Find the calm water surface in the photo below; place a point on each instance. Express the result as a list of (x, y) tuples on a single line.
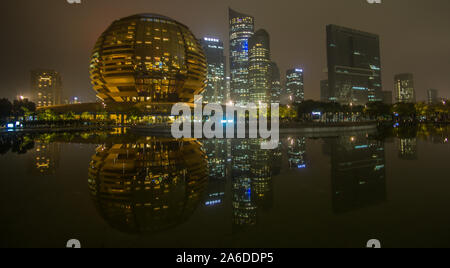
[(137, 191)]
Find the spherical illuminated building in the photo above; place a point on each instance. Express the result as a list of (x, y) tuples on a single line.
[(148, 58), (148, 186)]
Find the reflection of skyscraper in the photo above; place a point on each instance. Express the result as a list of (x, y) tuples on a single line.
[(148, 186), (387, 97), (259, 74), (354, 65), (295, 85), (47, 87), (297, 152), (358, 172), (261, 171), (241, 29), (216, 151), (45, 158), (404, 88), (215, 87), (408, 149), (252, 170)]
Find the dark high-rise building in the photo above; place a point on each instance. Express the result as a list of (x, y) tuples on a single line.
[(47, 87), (215, 58), (433, 96), (404, 88), (354, 66), (276, 88), (295, 85), (241, 29), (387, 97), (259, 74), (324, 91)]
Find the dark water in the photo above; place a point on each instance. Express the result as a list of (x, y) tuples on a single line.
[(135, 191)]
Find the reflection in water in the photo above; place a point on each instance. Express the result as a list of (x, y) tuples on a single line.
[(408, 149), (297, 152), (19, 144), (217, 152), (150, 185), (358, 172), (252, 171), (45, 158)]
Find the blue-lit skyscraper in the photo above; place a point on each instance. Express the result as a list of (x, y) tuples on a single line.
[(215, 87), (295, 85), (241, 29)]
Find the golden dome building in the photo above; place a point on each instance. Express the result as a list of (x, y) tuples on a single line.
[(148, 58), (149, 186)]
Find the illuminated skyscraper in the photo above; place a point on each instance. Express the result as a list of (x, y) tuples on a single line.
[(259, 73), (47, 87), (215, 58), (354, 66), (433, 96), (404, 88), (295, 85), (241, 29), (276, 88)]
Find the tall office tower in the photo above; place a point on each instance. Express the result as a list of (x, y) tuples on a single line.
[(404, 88), (241, 29), (354, 66), (215, 58), (433, 96), (295, 85), (47, 87), (259, 74), (387, 97), (324, 91), (276, 88)]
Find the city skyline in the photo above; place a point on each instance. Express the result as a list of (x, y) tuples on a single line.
[(403, 46)]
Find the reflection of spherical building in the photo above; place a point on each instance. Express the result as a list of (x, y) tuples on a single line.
[(150, 58), (150, 186)]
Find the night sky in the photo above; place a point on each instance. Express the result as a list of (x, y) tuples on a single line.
[(415, 36)]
